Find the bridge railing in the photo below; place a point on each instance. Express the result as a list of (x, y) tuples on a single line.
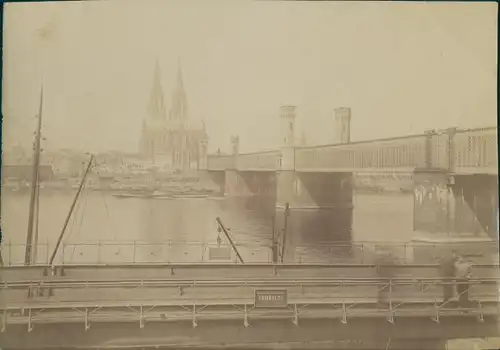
[(476, 150), (217, 162), (267, 160), (461, 151), (438, 149), (337, 298), (137, 252), (394, 153)]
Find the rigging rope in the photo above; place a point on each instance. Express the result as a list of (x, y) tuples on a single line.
[(73, 219), (118, 251)]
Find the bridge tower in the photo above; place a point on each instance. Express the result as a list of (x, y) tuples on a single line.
[(203, 154), (310, 206), (342, 125), (235, 185)]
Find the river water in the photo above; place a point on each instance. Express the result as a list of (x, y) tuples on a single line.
[(102, 217), (116, 223)]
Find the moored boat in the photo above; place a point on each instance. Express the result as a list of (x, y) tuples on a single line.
[(189, 196)]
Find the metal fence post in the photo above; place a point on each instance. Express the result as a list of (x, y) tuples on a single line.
[(133, 252), (10, 253), (47, 253), (63, 253), (98, 252), (406, 253)]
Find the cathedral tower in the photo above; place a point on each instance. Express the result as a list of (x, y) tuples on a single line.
[(172, 142)]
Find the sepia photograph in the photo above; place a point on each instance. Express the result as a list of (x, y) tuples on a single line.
[(272, 175)]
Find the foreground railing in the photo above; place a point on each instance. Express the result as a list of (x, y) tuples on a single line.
[(242, 299), (138, 252), (293, 284)]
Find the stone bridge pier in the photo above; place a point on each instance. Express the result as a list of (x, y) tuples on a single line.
[(319, 209), (250, 189), (249, 184), (311, 207), (455, 205), (213, 179), (475, 204)]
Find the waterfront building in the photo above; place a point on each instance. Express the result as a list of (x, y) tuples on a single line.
[(66, 163), (16, 155), (24, 172), (172, 139)]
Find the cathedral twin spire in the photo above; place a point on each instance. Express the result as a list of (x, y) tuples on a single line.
[(156, 102), (179, 110)]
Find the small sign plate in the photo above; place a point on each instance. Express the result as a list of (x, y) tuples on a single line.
[(219, 253), (271, 298)]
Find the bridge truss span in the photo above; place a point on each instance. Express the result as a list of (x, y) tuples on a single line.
[(216, 162), (259, 161), (400, 154), (461, 151), (476, 151)]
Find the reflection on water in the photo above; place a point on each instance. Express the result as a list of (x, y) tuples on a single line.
[(151, 222)]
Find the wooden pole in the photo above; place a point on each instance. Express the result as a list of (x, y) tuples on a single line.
[(274, 248), (221, 225), (37, 216), (28, 258), (71, 211), (285, 229)]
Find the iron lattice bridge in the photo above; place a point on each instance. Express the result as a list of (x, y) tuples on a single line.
[(250, 300)]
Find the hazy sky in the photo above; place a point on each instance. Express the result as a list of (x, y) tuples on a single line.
[(402, 68)]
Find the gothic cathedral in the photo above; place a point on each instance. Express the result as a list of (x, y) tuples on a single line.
[(172, 141)]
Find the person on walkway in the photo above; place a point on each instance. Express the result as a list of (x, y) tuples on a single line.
[(448, 273), (274, 251), (385, 272), (463, 270)]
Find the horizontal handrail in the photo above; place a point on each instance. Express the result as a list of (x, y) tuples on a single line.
[(263, 265), (140, 251), (141, 308), (271, 282), (250, 244), (421, 137), (394, 138), (240, 301), (322, 245)]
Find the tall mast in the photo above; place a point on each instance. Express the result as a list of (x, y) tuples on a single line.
[(28, 258), (36, 220)]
